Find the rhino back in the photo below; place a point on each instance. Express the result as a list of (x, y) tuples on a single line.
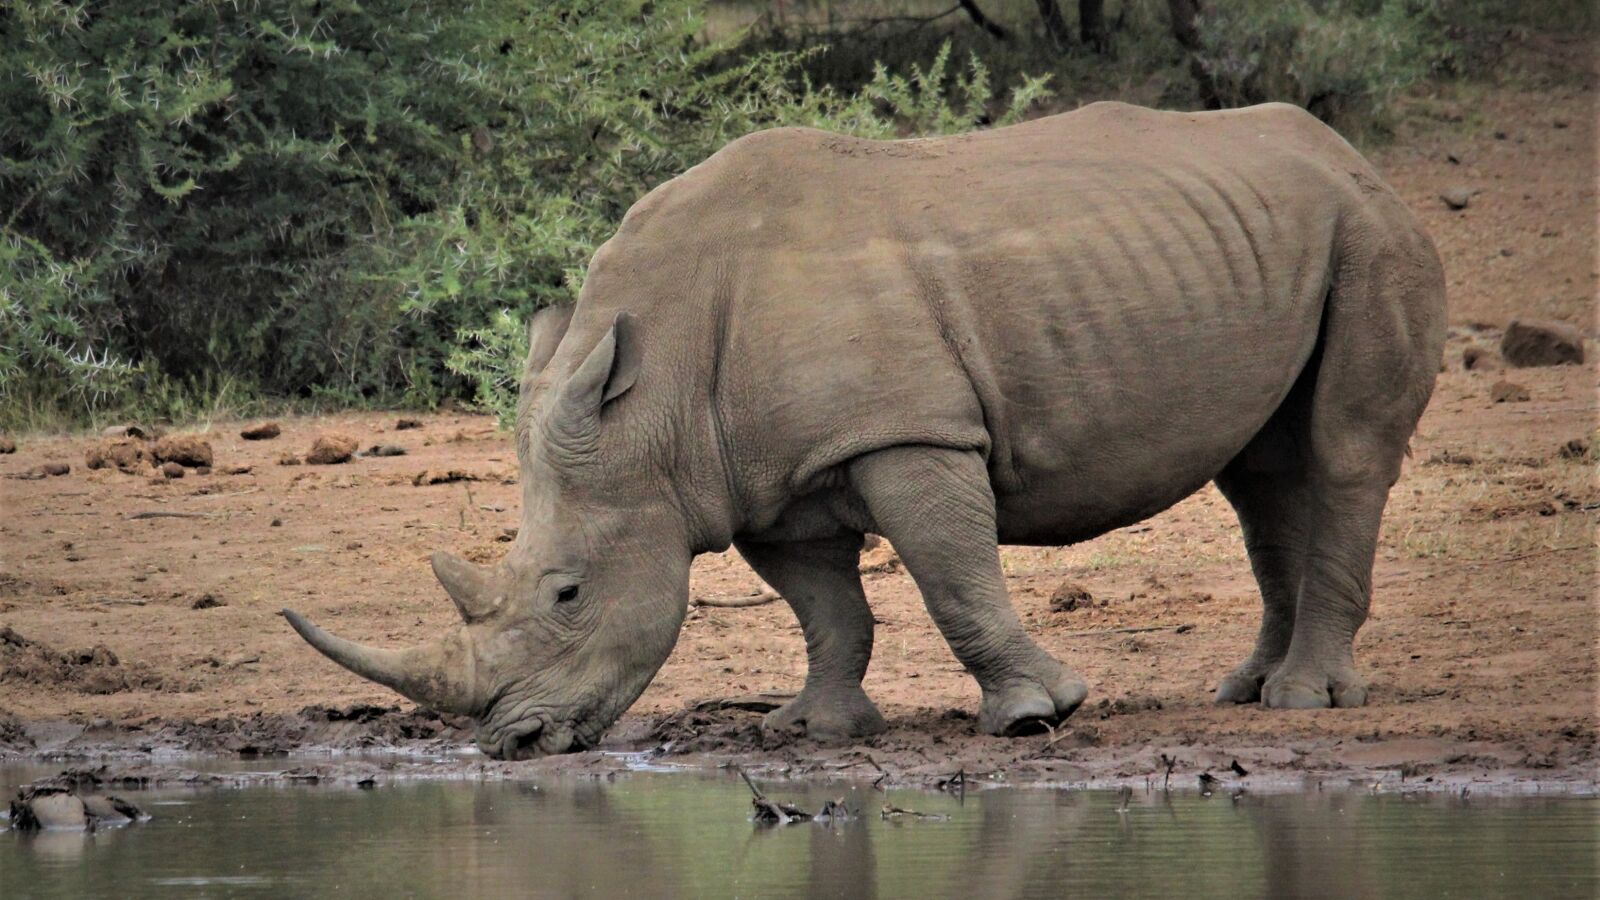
[(1109, 303)]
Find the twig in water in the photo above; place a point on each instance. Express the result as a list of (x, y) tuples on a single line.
[(890, 811), (1171, 763)]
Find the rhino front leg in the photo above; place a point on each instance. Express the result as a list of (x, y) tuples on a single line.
[(820, 581), (936, 506)]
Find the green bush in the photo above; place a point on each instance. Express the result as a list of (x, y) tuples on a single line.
[(1343, 60), (333, 198)]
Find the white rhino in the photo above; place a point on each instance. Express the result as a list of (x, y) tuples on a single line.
[(1030, 335)]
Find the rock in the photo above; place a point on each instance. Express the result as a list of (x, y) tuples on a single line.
[(184, 449), (172, 470), (331, 449), (386, 450), (442, 476), (7, 445), (264, 431), (1509, 392), (1479, 359), (109, 810), (288, 459), (1457, 197), (407, 424), (125, 454), (206, 601), (202, 470), (1530, 342), (51, 469), (137, 432), (1070, 596), (48, 809), (235, 470), (51, 806)]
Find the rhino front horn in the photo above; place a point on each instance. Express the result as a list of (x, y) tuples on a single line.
[(474, 589), (438, 675)]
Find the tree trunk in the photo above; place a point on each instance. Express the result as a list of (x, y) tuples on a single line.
[(1092, 25), (1187, 32), (1054, 24), (995, 29)]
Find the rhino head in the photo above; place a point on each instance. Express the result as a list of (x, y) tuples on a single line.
[(562, 636)]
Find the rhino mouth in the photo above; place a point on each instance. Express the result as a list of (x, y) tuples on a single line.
[(532, 739)]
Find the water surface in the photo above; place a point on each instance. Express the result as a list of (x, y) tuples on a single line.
[(677, 835)]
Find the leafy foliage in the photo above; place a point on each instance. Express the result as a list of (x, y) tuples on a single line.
[(1344, 60), (336, 197)]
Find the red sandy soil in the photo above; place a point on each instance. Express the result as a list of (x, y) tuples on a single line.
[(1480, 651)]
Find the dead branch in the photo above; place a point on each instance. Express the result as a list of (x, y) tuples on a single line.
[(1180, 629), (760, 599), (164, 514)]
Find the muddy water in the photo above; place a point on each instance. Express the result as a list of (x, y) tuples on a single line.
[(674, 835)]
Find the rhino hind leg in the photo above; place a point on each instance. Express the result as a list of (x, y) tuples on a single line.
[(937, 508), (1272, 515), (820, 581), (1378, 357)]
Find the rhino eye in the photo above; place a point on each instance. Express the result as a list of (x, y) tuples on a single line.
[(567, 594)]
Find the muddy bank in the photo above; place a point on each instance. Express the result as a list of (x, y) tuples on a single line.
[(935, 749)]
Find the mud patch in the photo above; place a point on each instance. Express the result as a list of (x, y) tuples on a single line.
[(95, 670)]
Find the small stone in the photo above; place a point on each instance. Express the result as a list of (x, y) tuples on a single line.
[(1500, 135), (264, 431), (53, 469), (288, 459), (1479, 359), (1457, 197), (1070, 595), (130, 430), (1529, 342), (386, 450), (407, 424), (235, 470), (206, 601), (277, 523), (1577, 448), (331, 449), (1509, 392), (202, 470), (1558, 123), (172, 470)]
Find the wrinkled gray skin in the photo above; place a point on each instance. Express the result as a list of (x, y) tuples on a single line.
[(1030, 335)]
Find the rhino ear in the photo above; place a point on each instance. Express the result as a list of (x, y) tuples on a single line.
[(472, 588), (545, 331), (605, 374)]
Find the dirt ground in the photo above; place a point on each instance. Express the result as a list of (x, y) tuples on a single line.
[(124, 630)]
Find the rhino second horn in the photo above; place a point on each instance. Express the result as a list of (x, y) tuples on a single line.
[(438, 675), (473, 589)]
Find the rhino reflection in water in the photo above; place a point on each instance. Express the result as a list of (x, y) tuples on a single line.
[(1030, 335)]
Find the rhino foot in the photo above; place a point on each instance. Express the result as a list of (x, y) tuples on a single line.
[(1243, 684), (836, 713), (1031, 705), (1311, 689)]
